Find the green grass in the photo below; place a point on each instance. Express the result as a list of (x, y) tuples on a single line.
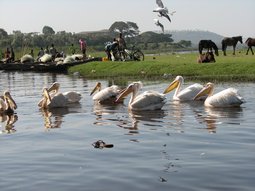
[(235, 68)]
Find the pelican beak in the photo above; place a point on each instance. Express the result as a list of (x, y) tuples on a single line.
[(97, 87), (54, 87), (123, 94), (46, 94), (10, 100), (204, 92), (172, 86)]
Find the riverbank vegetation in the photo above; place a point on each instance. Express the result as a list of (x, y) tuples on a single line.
[(235, 68)]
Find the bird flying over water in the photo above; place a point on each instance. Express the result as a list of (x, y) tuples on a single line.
[(159, 24), (162, 10)]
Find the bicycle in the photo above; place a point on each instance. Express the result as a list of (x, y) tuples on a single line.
[(131, 54)]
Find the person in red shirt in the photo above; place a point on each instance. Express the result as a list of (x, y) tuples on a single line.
[(83, 46)]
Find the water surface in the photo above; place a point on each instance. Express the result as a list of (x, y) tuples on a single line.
[(182, 147)]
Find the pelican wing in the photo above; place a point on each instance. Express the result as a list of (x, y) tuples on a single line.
[(160, 3), (72, 96), (226, 98), (190, 92), (59, 100), (149, 100)]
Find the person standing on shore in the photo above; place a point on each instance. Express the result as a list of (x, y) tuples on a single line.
[(83, 46)]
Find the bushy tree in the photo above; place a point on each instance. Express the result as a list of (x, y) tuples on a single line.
[(48, 30), (128, 29)]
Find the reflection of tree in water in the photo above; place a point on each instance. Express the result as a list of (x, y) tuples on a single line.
[(9, 123)]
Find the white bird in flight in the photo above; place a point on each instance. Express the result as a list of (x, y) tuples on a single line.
[(162, 10), (159, 24)]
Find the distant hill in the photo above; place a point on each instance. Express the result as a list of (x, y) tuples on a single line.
[(195, 36)]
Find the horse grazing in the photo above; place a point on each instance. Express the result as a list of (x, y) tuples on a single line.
[(231, 41), (250, 42), (206, 58), (209, 44)]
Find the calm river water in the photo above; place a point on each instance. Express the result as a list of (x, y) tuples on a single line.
[(183, 147)]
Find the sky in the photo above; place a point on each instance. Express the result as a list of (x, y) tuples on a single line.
[(224, 17)]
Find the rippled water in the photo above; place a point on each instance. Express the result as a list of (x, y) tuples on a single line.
[(182, 147)]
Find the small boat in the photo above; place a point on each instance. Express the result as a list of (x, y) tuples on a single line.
[(43, 67)]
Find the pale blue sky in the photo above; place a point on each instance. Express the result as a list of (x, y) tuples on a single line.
[(225, 17)]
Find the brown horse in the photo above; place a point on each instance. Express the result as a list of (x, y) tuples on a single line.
[(250, 42), (206, 58), (209, 44), (231, 41)]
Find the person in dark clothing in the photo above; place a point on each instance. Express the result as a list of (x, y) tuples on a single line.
[(7, 55), (12, 55), (111, 49)]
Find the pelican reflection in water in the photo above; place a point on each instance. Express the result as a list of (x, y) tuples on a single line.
[(9, 120), (53, 118)]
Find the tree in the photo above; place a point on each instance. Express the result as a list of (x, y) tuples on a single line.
[(185, 43), (3, 33), (128, 29), (48, 30)]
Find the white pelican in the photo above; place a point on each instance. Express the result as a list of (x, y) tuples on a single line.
[(107, 95), (162, 10), (7, 104), (226, 98), (186, 94), (71, 96), (159, 24), (149, 100), (54, 100)]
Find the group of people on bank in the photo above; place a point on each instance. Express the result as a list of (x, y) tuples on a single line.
[(118, 45), (9, 56)]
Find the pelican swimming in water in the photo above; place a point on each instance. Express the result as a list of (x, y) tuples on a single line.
[(71, 96), (186, 94), (148, 100), (162, 10), (107, 95), (7, 104), (226, 98), (55, 100)]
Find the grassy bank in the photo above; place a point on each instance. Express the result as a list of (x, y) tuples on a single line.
[(236, 68)]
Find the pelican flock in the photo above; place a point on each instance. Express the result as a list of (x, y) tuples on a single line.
[(226, 98), (106, 95), (148, 100), (186, 94)]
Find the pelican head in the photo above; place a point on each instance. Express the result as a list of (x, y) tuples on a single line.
[(132, 88), (54, 87), (177, 82), (97, 87), (207, 90)]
